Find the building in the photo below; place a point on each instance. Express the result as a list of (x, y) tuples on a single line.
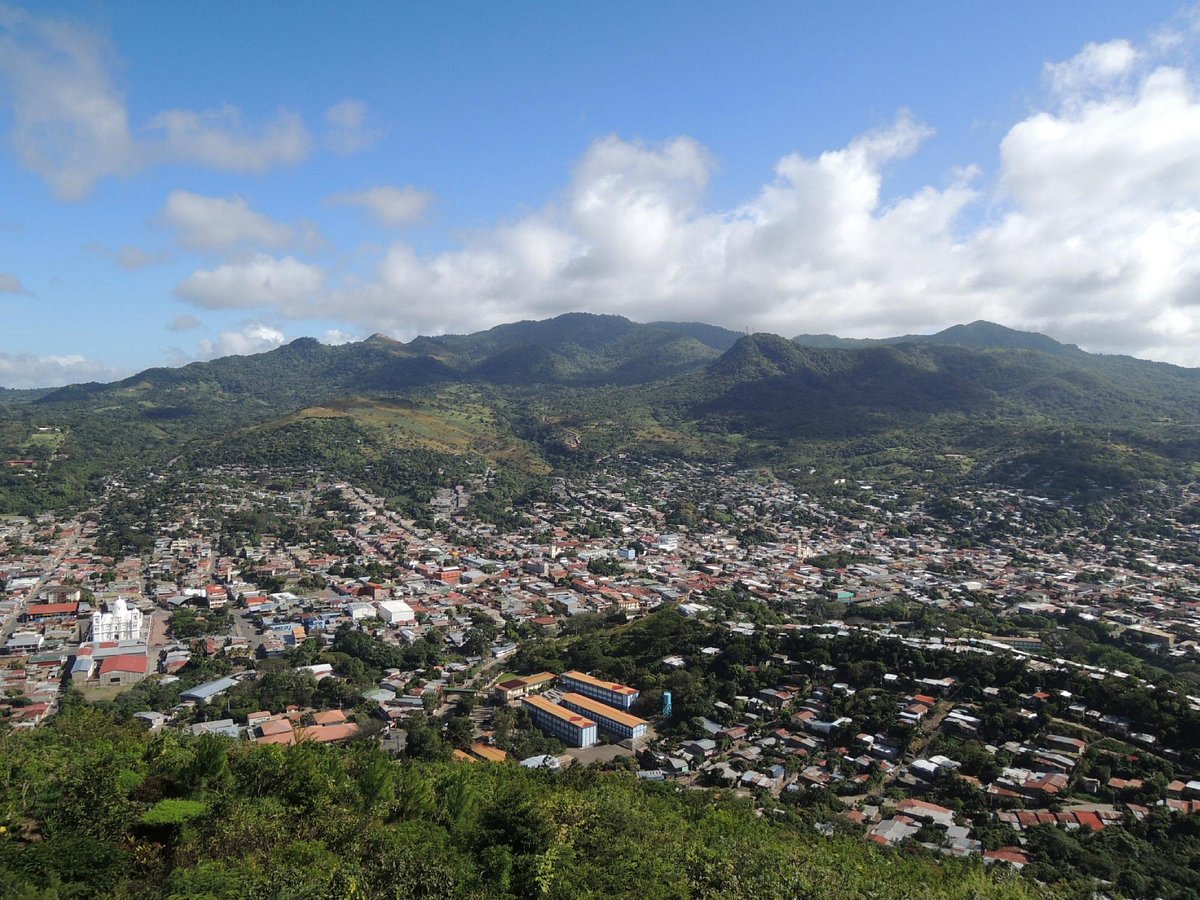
[(51, 610), (24, 642), (359, 611), (488, 753), (202, 693), (610, 720), (396, 612), (216, 596), (1025, 643), (62, 593), (516, 688), (609, 692), (569, 727), (124, 669), (121, 622)]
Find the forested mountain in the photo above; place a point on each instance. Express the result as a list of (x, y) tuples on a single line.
[(766, 382), (979, 335), (1019, 406)]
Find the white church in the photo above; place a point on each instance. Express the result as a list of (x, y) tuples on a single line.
[(121, 622)]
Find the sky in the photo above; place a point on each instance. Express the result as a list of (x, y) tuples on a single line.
[(188, 181)]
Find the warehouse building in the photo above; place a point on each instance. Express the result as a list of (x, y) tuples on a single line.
[(611, 721), (617, 695), (569, 727)]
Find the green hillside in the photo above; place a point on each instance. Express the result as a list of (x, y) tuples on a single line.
[(1017, 407), (95, 808)]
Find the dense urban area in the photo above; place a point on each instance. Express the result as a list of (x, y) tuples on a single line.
[(984, 674)]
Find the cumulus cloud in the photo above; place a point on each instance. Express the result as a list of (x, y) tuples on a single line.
[(71, 123), (1095, 66), (389, 206), (26, 370), (221, 223), (632, 236), (348, 128), (11, 284), (183, 322), (1088, 230), (251, 337), (263, 281), (131, 258)]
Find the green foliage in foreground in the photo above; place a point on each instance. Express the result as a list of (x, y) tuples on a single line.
[(96, 808)]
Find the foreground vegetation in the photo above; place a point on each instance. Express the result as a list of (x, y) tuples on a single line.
[(95, 807)]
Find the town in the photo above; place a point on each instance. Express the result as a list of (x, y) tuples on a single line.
[(955, 671)]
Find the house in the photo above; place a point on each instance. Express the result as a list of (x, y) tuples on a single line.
[(217, 726), (930, 812), (701, 749), (154, 721), (254, 719)]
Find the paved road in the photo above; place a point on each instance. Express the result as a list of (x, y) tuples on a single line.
[(244, 628)]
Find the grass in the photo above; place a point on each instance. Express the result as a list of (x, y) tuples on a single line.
[(98, 693), (455, 421)]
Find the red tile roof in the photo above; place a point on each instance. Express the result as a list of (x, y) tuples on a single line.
[(136, 663)]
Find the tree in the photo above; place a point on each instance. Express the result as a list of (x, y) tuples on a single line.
[(376, 783), (460, 732), (414, 796), (209, 767)]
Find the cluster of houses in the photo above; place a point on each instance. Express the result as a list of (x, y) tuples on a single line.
[(857, 564)]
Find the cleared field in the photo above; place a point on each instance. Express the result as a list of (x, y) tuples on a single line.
[(454, 421)]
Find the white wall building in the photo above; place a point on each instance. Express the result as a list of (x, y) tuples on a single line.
[(121, 623), (359, 611), (396, 612)]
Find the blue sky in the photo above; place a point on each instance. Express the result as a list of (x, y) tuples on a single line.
[(179, 182)]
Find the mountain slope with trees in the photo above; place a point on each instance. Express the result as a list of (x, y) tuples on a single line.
[(564, 390)]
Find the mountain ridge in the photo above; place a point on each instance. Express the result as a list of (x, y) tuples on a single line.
[(581, 385)]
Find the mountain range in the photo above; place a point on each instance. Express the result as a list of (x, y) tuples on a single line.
[(1014, 405)]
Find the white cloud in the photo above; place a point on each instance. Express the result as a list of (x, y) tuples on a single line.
[(11, 284), (286, 284), (131, 258), (389, 206), (183, 322), (1095, 66), (348, 129), (632, 237), (26, 370), (1088, 230), (218, 138), (252, 337), (71, 122), (335, 336), (221, 223)]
